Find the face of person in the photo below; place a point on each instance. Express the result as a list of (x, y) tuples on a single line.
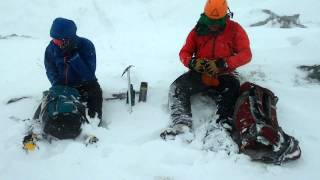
[(61, 43), (58, 42), (214, 28)]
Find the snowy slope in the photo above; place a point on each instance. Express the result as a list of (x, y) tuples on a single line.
[(149, 35)]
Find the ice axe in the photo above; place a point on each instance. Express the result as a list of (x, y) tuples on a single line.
[(131, 94)]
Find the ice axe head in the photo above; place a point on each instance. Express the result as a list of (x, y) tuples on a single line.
[(127, 69)]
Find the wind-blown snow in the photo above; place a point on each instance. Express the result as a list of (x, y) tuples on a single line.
[(149, 34)]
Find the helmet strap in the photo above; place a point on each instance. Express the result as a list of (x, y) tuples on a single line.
[(230, 13)]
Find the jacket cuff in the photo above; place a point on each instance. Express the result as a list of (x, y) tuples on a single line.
[(192, 63), (222, 63)]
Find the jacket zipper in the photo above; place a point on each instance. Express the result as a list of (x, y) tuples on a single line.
[(214, 50), (214, 46), (66, 67)]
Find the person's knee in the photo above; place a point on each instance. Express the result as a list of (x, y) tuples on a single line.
[(94, 100), (231, 83)]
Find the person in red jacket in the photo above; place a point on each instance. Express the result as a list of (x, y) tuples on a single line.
[(214, 48)]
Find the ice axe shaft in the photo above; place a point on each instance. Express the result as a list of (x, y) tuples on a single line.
[(127, 70)]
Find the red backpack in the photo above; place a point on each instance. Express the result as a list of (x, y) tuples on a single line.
[(256, 128)]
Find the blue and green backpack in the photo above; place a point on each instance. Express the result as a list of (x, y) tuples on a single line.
[(62, 113)]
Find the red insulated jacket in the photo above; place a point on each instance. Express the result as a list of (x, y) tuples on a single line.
[(232, 45)]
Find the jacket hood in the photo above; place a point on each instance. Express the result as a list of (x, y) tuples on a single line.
[(63, 29)]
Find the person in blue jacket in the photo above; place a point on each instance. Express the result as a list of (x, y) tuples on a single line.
[(70, 60)]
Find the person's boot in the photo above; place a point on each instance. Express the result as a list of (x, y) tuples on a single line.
[(225, 122), (171, 132), (288, 150), (217, 138), (225, 113), (29, 142), (90, 139)]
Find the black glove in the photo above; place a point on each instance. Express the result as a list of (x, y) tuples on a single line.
[(95, 101), (221, 63), (68, 47), (211, 68)]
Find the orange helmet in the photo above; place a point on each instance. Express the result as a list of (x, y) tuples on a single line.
[(216, 9)]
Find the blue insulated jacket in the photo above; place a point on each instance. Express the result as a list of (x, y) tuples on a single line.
[(74, 70)]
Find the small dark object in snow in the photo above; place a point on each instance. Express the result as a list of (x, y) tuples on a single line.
[(14, 36), (284, 21), (13, 100), (143, 92), (313, 71), (119, 96), (90, 139), (18, 119)]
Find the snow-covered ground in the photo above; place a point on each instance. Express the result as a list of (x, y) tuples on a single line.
[(149, 35)]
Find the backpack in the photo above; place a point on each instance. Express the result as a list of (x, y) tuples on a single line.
[(61, 112), (256, 128)]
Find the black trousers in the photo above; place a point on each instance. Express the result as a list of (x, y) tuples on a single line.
[(91, 93), (190, 83)]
